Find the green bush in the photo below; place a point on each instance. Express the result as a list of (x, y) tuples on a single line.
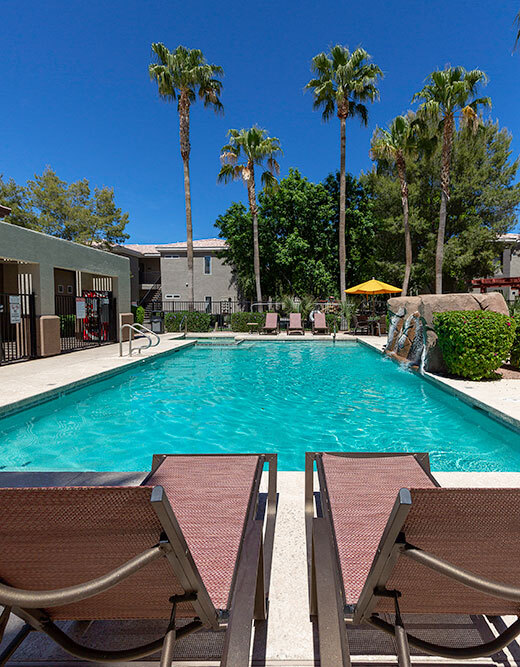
[(139, 315), (239, 321), (67, 325), (515, 349), (195, 321), (331, 318), (474, 343)]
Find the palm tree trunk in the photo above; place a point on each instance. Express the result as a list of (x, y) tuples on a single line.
[(251, 191), (341, 226), (401, 169), (184, 131), (447, 142)]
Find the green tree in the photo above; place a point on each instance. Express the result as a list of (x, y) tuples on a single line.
[(483, 205), (181, 76), (73, 212), (450, 93), (298, 237), (395, 146), (343, 81), (256, 148)]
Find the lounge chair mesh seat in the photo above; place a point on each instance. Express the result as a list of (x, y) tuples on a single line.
[(434, 525), (187, 543), (211, 510)]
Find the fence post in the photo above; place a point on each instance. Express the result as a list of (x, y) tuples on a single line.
[(32, 325)]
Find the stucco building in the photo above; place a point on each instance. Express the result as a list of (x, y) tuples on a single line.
[(162, 272)]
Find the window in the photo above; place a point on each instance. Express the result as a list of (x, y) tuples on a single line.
[(207, 299), (207, 265), (172, 256), (69, 289), (60, 289), (168, 297)]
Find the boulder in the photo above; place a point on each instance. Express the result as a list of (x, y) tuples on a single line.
[(428, 304)]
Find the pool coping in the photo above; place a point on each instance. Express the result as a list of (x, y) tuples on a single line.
[(10, 409), (442, 383)]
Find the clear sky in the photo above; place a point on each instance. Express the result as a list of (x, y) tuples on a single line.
[(75, 92)]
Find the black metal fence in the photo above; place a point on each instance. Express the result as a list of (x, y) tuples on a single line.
[(211, 307), (17, 327), (86, 321)]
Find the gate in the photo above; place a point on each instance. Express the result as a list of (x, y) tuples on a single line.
[(87, 321), (17, 327)]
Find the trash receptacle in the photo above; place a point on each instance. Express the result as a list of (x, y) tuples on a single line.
[(157, 323)]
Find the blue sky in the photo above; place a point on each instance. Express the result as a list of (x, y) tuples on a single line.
[(75, 92)]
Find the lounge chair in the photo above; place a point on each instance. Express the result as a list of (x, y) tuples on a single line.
[(319, 324), (188, 543), (295, 324), (387, 540), (271, 325)]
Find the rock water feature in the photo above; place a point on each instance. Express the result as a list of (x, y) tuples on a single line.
[(411, 337)]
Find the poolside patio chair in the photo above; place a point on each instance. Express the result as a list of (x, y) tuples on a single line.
[(386, 540), (189, 543), (295, 324), (319, 324), (271, 324)]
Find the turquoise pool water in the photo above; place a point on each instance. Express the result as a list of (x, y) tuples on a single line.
[(280, 397)]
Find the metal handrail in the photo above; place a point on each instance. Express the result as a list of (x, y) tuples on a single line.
[(140, 329), (155, 286)]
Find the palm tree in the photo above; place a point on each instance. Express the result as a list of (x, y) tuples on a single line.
[(449, 93), (256, 147), (181, 76), (342, 83), (394, 146)]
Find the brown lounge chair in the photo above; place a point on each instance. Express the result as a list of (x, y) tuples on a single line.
[(271, 324), (295, 324), (319, 324), (387, 540), (188, 543)]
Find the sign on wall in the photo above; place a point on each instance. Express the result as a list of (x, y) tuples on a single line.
[(15, 309), (81, 311)]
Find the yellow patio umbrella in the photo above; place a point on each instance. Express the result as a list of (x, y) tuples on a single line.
[(373, 287)]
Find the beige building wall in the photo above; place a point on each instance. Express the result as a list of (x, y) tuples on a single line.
[(218, 285), (47, 253)]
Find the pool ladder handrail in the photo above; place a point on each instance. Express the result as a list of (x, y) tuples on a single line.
[(140, 329)]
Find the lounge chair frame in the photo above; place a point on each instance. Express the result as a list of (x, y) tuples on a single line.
[(247, 599), (326, 591), (271, 330), (323, 329), (291, 331)]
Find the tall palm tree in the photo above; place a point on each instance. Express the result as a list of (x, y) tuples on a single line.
[(448, 94), (343, 81), (256, 147), (182, 75), (395, 146)]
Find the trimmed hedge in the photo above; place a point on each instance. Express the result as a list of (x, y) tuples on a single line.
[(515, 349), (195, 321), (331, 318), (239, 321), (474, 343), (67, 325), (139, 315)]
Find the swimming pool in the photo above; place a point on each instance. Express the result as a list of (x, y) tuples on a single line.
[(261, 396)]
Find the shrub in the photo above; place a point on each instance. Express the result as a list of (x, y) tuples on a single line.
[(239, 321), (67, 325), (331, 318), (139, 315), (515, 349), (195, 321), (474, 343)]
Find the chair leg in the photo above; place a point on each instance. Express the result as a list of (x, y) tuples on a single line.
[(14, 644), (4, 617), (401, 638)]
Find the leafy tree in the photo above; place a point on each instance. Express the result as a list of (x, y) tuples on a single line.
[(298, 237), (73, 212), (256, 147), (483, 205), (343, 81), (449, 93), (395, 145), (181, 76)]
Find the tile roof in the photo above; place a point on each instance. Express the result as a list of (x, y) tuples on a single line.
[(155, 248)]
